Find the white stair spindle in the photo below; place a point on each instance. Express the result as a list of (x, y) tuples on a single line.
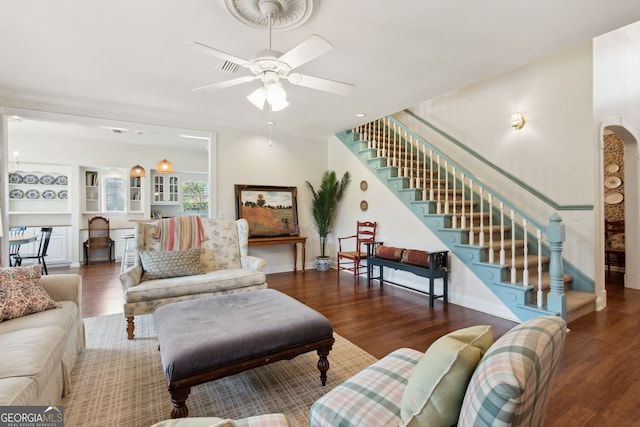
[(454, 216), (446, 187), (502, 252), (513, 247), (491, 251), (431, 196), (481, 234), (424, 172), (439, 203), (411, 170), (471, 232), (463, 217), (406, 154), (525, 251)]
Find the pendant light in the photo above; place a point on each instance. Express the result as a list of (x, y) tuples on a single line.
[(164, 166), (138, 171)]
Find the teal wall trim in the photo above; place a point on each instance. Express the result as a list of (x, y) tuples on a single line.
[(496, 168)]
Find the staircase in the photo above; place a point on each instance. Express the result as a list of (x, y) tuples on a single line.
[(514, 255)]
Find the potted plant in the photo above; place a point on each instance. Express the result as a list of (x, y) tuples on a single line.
[(323, 209)]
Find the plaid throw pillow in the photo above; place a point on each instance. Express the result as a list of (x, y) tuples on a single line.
[(21, 292)]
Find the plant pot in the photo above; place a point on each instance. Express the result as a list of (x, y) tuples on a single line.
[(323, 263)]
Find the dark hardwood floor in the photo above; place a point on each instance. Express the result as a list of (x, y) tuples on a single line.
[(598, 382)]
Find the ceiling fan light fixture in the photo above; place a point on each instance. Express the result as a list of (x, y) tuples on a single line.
[(275, 93), (258, 97)]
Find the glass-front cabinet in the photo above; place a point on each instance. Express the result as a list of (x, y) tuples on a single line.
[(166, 189)]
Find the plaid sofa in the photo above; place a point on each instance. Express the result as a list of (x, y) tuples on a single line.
[(509, 387)]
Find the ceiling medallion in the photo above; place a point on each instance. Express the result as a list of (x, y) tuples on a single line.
[(287, 14)]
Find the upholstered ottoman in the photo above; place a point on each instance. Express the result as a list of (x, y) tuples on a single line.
[(204, 339)]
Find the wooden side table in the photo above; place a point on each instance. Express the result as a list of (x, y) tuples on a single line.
[(283, 240)]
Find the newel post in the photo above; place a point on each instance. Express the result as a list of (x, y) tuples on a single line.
[(556, 299)]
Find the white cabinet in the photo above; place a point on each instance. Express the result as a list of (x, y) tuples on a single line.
[(166, 189), (136, 194), (39, 188), (110, 190), (91, 191)]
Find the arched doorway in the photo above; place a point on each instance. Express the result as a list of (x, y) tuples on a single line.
[(620, 194)]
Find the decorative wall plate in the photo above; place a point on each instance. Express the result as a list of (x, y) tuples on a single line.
[(364, 185), (613, 198), (63, 194), (30, 179), (364, 206), (612, 182), (16, 194), (15, 178), (612, 168), (47, 180), (62, 180), (48, 194), (32, 194)]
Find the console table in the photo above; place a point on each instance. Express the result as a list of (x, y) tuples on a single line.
[(283, 240)]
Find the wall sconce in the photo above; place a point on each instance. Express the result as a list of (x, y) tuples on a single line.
[(517, 121), (138, 171), (164, 166)]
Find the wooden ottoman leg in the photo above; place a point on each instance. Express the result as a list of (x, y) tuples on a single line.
[(323, 363), (179, 397), (130, 327)]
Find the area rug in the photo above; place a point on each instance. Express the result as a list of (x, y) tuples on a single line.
[(118, 382)]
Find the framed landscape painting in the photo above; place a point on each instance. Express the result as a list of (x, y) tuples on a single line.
[(270, 211)]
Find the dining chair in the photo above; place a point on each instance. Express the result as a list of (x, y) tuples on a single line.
[(40, 255), (14, 247)]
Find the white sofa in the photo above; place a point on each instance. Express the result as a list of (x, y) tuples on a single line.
[(39, 350), (226, 267)]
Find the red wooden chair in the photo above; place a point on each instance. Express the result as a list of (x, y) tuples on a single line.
[(351, 260)]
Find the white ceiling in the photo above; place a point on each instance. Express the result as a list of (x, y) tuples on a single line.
[(126, 56)]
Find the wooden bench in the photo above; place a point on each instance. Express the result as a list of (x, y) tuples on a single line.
[(437, 269)]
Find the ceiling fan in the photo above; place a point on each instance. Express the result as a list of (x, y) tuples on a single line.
[(270, 66)]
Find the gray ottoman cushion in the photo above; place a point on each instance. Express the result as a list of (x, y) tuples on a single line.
[(208, 333)]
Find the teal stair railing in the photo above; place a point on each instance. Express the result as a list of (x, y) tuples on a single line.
[(516, 255)]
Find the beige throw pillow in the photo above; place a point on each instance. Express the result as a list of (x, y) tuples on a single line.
[(436, 388)]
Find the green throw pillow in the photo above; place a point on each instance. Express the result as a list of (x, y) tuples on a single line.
[(436, 388), (164, 264)]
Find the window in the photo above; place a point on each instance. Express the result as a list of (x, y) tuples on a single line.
[(195, 197)]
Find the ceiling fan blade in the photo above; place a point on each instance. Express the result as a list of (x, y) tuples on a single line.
[(226, 84), (208, 50), (326, 85), (309, 49)]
